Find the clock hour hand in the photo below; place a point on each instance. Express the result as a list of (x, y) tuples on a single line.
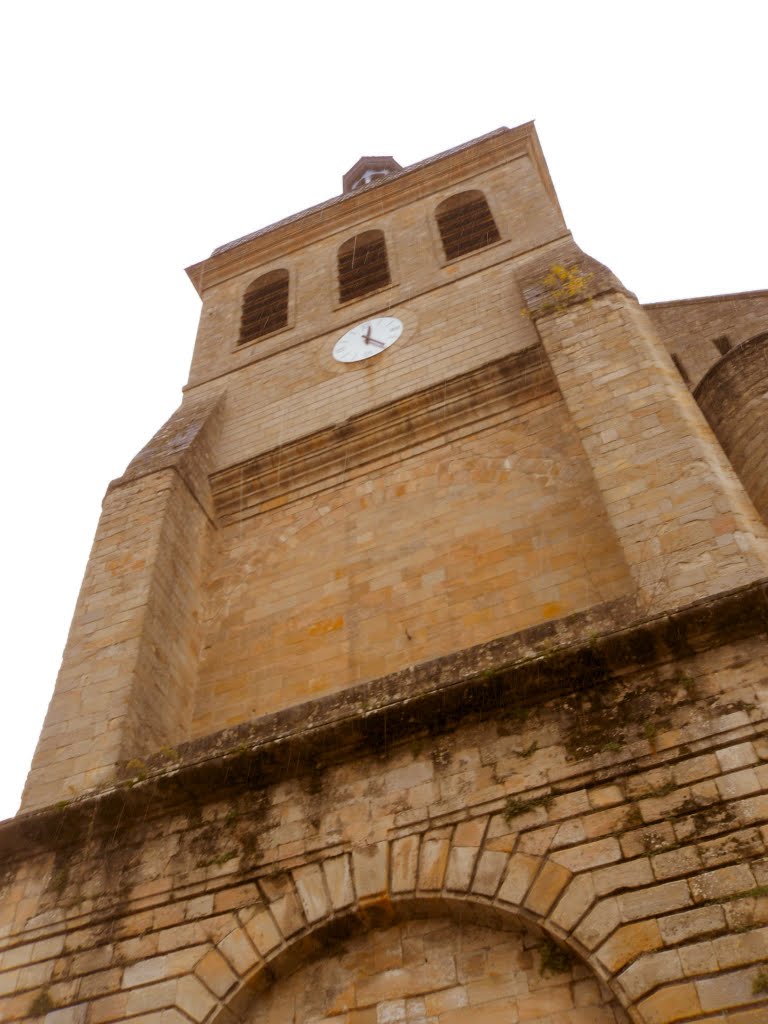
[(372, 341)]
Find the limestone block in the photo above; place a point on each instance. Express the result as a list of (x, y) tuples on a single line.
[(660, 899), (287, 914), (239, 951), (691, 923), (727, 990), (698, 959), (547, 886), (589, 855), (627, 875), (722, 882), (311, 889), (214, 971), (578, 897), (520, 873), (145, 972), (369, 867), (263, 932), (549, 1001), (151, 997), (461, 862), (629, 942), (742, 755), (470, 833), (193, 998), (650, 970), (490, 869), (338, 879), (598, 923), (433, 860), (68, 1015), (670, 1004)]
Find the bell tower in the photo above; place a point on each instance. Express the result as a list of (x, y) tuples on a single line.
[(436, 600)]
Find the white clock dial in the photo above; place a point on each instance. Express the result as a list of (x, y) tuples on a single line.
[(367, 339)]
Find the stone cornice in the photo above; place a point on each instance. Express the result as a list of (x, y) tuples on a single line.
[(584, 650), (378, 437), (345, 211), (728, 297)]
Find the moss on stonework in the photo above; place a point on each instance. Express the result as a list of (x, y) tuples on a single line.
[(604, 719), (42, 1004), (554, 959)]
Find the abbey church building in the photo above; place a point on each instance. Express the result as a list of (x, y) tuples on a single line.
[(419, 673)]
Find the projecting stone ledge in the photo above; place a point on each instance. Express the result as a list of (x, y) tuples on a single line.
[(505, 676)]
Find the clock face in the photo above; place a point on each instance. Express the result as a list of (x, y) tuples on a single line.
[(367, 339)]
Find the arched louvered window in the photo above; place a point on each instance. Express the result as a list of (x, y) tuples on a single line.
[(265, 306), (363, 265), (465, 224)]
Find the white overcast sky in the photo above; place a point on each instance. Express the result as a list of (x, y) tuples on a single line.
[(137, 137)]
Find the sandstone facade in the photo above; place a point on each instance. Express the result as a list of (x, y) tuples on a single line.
[(428, 688)]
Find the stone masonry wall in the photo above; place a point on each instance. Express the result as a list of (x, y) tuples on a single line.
[(698, 331), (487, 526), (517, 860)]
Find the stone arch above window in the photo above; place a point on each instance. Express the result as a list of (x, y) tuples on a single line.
[(363, 265), (466, 224), (265, 306)]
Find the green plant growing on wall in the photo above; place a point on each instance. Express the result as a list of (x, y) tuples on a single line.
[(562, 286), (515, 807)]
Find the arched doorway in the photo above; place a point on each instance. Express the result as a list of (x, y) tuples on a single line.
[(426, 962)]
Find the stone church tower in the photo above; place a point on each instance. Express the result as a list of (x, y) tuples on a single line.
[(419, 672)]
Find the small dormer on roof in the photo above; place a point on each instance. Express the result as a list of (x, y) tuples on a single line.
[(368, 169)]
